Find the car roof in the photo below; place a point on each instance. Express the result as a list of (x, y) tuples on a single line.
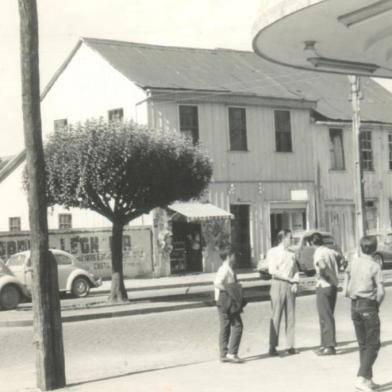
[(55, 251)]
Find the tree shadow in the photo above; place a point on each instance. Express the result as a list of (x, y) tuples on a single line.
[(107, 378), (354, 349), (385, 387)]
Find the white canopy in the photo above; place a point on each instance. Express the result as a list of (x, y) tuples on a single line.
[(200, 211)]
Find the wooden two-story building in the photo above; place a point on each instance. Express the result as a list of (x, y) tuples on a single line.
[(279, 138)]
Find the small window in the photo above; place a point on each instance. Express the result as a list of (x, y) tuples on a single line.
[(237, 129), (116, 114), (14, 224), (371, 214), (366, 150), (283, 131), (63, 260), (336, 149), (189, 122), (390, 149), (65, 221), (16, 260), (60, 124)]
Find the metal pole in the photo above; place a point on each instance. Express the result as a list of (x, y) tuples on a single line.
[(359, 199)]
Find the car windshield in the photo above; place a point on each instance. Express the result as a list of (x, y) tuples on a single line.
[(16, 260)]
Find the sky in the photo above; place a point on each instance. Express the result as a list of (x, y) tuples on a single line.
[(193, 23)]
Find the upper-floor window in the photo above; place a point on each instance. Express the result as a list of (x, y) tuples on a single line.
[(14, 223), (366, 150), (390, 149), (237, 129), (189, 122), (60, 124), (65, 221), (283, 131), (336, 148), (116, 114)]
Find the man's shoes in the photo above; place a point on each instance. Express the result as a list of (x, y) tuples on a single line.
[(326, 351), (273, 352), (292, 351), (362, 385), (233, 358), (224, 359)]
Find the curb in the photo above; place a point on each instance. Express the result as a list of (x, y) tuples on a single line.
[(263, 296)]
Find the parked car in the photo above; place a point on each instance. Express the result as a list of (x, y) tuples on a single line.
[(304, 251), (383, 254), (12, 290), (71, 277)]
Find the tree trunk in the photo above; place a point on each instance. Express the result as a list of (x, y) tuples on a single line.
[(46, 305), (117, 291)]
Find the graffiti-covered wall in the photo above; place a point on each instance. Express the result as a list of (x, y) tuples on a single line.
[(92, 248)]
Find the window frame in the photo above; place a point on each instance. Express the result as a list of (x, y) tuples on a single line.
[(364, 151), (244, 130), (66, 225), (390, 150), (14, 227), (194, 129), (113, 112), (333, 160), (279, 132), (60, 124)]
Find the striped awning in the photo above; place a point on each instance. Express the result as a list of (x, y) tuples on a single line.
[(199, 211)]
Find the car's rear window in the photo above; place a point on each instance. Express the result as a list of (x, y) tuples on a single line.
[(16, 260), (328, 240)]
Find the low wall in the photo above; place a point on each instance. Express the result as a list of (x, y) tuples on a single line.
[(92, 248)]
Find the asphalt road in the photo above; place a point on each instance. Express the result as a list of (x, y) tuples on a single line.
[(109, 348)]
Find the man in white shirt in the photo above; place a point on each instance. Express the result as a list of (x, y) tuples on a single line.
[(230, 323), (326, 264), (283, 268)]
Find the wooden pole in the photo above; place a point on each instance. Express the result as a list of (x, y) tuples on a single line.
[(359, 199), (46, 305)]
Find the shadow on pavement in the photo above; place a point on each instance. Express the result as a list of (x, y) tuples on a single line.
[(385, 387), (134, 373), (354, 349)]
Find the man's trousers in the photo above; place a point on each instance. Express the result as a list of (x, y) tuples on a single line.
[(282, 302), (364, 313), (230, 332), (326, 301)]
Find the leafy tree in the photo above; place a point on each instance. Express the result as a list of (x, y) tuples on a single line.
[(121, 171)]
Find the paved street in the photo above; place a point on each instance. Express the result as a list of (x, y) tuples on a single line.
[(125, 354)]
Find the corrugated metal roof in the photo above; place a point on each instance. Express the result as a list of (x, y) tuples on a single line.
[(234, 71)]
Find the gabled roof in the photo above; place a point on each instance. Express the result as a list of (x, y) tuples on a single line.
[(241, 72)]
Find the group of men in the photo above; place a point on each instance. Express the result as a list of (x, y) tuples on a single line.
[(363, 284)]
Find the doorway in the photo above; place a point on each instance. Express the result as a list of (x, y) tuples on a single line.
[(240, 234), (294, 220), (187, 248)]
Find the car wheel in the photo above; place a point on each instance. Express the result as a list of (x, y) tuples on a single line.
[(80, 287), (9, 297), (378, 258)]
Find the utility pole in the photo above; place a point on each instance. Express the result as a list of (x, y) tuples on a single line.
[(359, 199), (48, 335)]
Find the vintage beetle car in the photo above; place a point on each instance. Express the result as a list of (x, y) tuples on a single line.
[(71, 277)]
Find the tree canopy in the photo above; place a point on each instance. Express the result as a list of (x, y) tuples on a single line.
[(122, 170)]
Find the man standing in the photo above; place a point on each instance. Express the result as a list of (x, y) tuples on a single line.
[(364, 285), (325, 263), (228, 297), (283, 269)]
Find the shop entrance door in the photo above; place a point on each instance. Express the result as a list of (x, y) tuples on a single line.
[(294, 220), (187, 248), (240, 234)]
